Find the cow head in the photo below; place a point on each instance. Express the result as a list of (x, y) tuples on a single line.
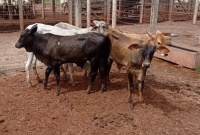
[(100, 26), (160, 41), (25, 39), (147, 50)]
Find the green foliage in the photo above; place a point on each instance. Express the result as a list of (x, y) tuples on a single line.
[(48, 2), (197, 69), (1, 68)]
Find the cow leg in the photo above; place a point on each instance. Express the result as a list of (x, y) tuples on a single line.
[(109, 67), (35, 71), (94, 72), (47, 73), (71, 73), (104, 75), (140, 88), (64, 69), (141, 84), (130, 88), (57, 77), (28, 63)]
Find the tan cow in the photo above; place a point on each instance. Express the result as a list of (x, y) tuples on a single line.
[(135, 54)]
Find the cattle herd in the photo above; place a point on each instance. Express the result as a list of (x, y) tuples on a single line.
[(13, 9), (95, 48)]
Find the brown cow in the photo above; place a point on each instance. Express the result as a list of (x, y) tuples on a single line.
[(135, 54)]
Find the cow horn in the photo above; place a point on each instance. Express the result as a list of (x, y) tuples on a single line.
[(149, 34)]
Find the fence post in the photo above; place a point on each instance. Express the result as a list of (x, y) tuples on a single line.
[(70, 12), (114, 13), (108, 11), (105, 10), (33, 7), (120, 8), (154, 15), (141, 10), (171, 9), (78, 13), (88, 12), (43, 9), (10, 10), (195, 11), (21, 16)]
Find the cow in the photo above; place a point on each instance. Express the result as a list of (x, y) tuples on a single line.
[(63, 6), (31, 60), (135, 54), (54, 51)]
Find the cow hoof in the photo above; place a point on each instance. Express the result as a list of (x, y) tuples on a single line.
[(45, 88), (88, 92), (103, 89), (131, 106), (141, 100), (72, 83), (40, 81)]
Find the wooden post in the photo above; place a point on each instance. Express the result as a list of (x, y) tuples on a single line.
[(195, 11), (10, 10), (78, 13), (105, 10), (170, 9), (33, 4), (154, 15), (108, 12), (120, 8), (114, 13), (21, 18), (70, 18), (43, 9), (53, 8), (88, 12), (141, 10)]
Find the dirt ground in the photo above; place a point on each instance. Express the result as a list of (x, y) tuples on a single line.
[(171, 97)]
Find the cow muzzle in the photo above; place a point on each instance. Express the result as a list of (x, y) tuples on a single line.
[(164, 54), (17, 45), (146, 64)]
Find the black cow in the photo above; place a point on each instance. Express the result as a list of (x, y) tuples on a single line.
[(56, 50)]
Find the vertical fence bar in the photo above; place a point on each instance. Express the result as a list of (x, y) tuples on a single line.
[(88, 12), (195, 11), (141, 11), (114, 13), (21, 16), (154, 15), (108, 11), (78, 13), (170, 9), (70, 18), (43, 16)]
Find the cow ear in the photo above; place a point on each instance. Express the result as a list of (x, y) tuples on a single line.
[(94, 28), (96, 23), (134, 47), (163, 50), (33, 29)]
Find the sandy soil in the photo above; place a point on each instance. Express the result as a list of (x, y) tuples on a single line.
[(171, 97)]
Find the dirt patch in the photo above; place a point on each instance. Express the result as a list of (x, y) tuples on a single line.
[(171, 99)]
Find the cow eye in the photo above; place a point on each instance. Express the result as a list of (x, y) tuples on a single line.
[(159, 43), (142, 50)]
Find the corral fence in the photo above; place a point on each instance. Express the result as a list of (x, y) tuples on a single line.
[(128, 11)]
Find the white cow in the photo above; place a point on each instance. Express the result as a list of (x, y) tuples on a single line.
[(63, 6), (63, 29)]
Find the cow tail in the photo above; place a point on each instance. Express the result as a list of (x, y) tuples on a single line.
[(107, 48)]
